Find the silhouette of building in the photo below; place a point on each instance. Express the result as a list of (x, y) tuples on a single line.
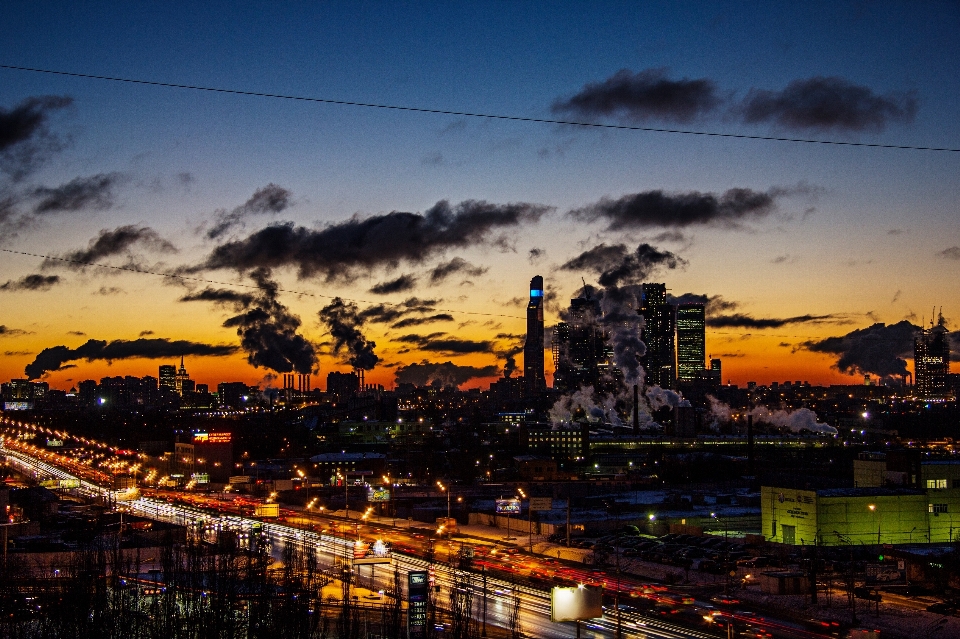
[(182, 382), (931, 357), (343, 385), (580, 350), (232, 394), (534, 380), (691, 341), (658, 334), (168, 377)]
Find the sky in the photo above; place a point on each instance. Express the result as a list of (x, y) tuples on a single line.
[(427, 226)]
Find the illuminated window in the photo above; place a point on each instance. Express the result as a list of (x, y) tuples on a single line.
[(936, 483), (937, 508)]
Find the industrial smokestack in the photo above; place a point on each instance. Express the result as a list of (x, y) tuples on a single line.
[(750, 445), (636, 410)]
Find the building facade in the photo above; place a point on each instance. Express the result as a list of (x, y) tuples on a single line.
[(691, 341), (931, 349), (659, 362), (534, 380)]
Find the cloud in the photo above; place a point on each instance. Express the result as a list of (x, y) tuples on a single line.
[(741, 320), (443, 343), (16, 353), (827, 104), (6, 331), (402, 284), (345, 321), (268, 331), (108, 290), (32, 282), (446, 373), (669, 236), (659, 209), (25, 140), (56, 357), (268, 199), (617, 265), (77, 333), (109, 243), (643, 96), (457, 265), (536, 254), (340, 251), (712, 303), (94, 192), (385, 313), (878, 349), (896, 296), (952, 253), (145, 333), (419, 321)]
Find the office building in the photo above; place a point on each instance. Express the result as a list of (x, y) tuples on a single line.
[(580, 349), (931, 357), (182, 382), (534, 381), (691, 341), (658, 335), (168, 377)]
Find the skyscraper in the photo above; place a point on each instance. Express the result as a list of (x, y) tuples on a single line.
[(691, 341), (168, 377), (182, 382), (580, 349), (658, 335), (534, 381), (931, 361)]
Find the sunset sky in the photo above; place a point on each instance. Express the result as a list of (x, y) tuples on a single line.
[(791, 242)]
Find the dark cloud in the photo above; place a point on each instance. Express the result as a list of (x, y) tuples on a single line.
[(643, 96), (457, 265), (268, 199), (669, 236), (94, 192), (741, 320), (16, 353), (340, 251), (712, 303), (443, 343), (77, 333), (385, 313), (828, 104), (32, 282), (145, 333), (617, 265), (656, 208), (57, 357), (952, 253), (536, 254), (267, 329), (420, 321), (344, 321), (6, 331), (25, 140), (108, 290), (446, 373), (878, 349), (116, 242), (402, 284)]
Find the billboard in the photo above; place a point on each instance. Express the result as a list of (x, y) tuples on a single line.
[(577, 603), (17, 405), (417, 595), (886, 574), (541, 503), (212, 438), (378, 494), (60, 483), (200, 478), (54, 443), (508, 506), (366, 554)]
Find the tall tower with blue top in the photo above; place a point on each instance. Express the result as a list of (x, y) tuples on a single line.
[(534, 381)]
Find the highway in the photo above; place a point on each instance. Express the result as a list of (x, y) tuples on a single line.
[(333, 549)]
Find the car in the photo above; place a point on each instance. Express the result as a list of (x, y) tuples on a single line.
[(942, 608)]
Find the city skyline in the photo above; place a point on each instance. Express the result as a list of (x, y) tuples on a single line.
[(432, 225)]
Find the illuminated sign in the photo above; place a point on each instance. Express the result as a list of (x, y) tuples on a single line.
[(17, 406), (508, 506), (378, 494), (54, 443), (200, 478), (576, 604), (535, 293), (212, 438), (417, 593), (367, 554)]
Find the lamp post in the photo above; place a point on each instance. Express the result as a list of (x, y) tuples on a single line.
[(721, 520)]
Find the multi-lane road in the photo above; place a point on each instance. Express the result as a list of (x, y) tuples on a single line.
[(333, 542)]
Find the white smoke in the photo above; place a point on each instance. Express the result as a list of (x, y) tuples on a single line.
[(718, 413), (794, 421), (659, 397), (564, 408)]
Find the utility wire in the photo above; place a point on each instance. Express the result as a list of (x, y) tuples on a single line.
[(470, 114), (178, 276)]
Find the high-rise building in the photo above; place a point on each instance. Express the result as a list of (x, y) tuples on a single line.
[(182, 382), (168, 376), (931, 361), (580, 350), (691, 341), (534, 381), (658, 335)]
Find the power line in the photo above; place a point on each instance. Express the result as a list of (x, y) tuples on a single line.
[(178, 276), (470, 114)]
